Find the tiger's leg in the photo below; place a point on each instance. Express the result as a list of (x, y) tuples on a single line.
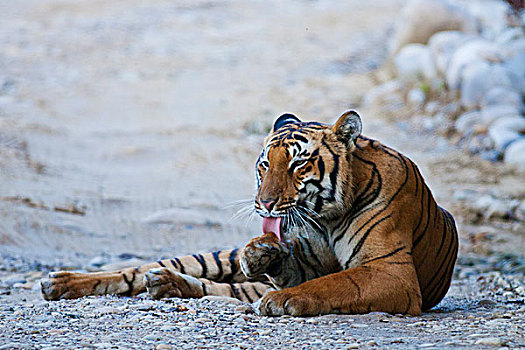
[(290, 264), (219, 266), (165, 283), (375, 287)]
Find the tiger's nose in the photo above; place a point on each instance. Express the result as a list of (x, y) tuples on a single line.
[(269, 204)]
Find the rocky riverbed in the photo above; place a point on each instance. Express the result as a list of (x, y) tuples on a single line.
[(128, 128)]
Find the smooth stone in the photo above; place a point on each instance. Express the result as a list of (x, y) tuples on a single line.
[(502, 95), (416, 97), (515, 154), (509, 35), (492, 16), (489, 341), (420, 19), (467, 121), (480, 77), (515, 65), (504, 131), (443, 45), (224, 299), (495, 112), (432, 107), (414, 62), (468, 53), (380, 93)]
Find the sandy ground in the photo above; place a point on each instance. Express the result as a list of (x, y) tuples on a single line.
[(128, 129)]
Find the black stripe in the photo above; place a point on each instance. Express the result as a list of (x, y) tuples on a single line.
[(359, 244), (174, 264), (354, 283), (299, 266), (129, 283), (246, 294), (386, 255), (254, 287), (161, 263), (334, 172), (219, 264), (201, 261), (235, 291), (429, 202), (182, 270)]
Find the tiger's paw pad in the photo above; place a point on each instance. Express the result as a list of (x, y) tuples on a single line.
[(262, 255), (164, 283), (61, 285), (283, 302)]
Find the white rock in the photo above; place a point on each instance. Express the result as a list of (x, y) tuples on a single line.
[(491, 207), (420, 19), (494, 112), (416, 97), (515, 154), (492, 15), (512, 48), (382, 92), (467, 121), (443, 45), (520, 214), (414, 62), (478, 78), (432, 107), (468, 53), (502, 95), (489, 341), (515, 65), (502, 137), (510, 34)]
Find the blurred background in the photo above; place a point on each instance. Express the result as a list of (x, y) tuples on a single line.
[(129, 129)]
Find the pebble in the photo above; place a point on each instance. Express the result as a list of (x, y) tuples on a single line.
[(515, 154), (489, 341), (162, 346)]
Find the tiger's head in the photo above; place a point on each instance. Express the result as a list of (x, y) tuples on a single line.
[(303, 172)]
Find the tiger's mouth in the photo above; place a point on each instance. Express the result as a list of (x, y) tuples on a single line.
[(274, 225)]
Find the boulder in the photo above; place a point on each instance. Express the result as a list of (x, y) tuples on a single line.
[(515, 66), (502, 95), (467, 121), (471, 52), (510, 34), (506, 130), (515, 153), (443, 45), (512, 48), (415, 62), (493, 112), (478, 78), (416, 97), (420, 19), (491, 14), (382, 93)]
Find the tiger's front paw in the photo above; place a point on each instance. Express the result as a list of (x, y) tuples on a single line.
[(290, 302), (164, 283), (67, 285), (263, 255)]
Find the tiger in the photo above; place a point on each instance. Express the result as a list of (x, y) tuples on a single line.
[(348, 226)]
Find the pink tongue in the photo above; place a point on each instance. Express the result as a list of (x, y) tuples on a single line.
[(272, 225)]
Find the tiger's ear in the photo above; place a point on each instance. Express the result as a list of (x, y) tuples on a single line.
[(348, 127), (284, 119)]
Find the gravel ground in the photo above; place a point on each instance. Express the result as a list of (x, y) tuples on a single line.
[(463, 319), (106, 146)]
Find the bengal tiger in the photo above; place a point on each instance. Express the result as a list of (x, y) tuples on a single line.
[(349, 226)]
